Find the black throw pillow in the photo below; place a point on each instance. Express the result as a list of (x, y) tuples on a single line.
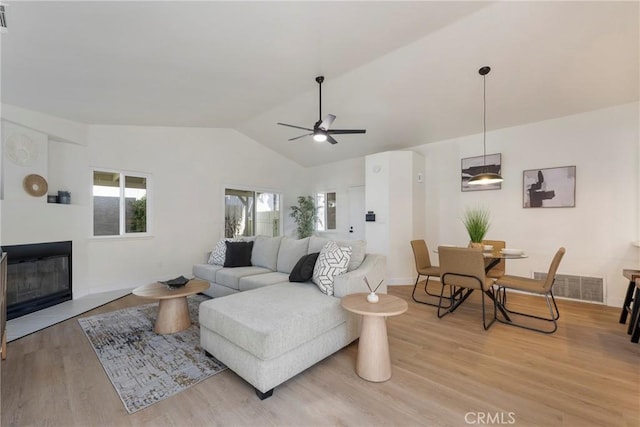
[(238, 254), (303, 269)]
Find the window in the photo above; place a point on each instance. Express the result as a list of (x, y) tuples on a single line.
[(251, 213), (326, 204), (120, 204)]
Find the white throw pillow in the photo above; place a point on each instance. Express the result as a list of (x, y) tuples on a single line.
[(332, 261)]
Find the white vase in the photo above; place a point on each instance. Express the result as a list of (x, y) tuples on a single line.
[(372, 297)]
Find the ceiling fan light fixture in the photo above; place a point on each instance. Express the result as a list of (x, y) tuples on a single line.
[(484, 178), (320, 135), (321, 131)]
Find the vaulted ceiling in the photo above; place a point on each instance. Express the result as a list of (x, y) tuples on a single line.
[(405, 71)]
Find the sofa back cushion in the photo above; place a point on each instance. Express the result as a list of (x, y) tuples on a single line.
[(265, 252), (358, 249), (291, 250)]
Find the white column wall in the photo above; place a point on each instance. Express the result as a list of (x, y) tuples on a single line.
[(392, 192)]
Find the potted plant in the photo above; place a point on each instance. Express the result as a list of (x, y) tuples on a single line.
[(476, 221), (305, 215)]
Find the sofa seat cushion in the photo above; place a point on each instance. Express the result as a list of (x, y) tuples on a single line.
[(206, 271), (260, 280), (270, 321), (230, 277)]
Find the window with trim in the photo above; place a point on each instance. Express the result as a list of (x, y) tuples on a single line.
[(251, 213), (326, 204), (120, 203)]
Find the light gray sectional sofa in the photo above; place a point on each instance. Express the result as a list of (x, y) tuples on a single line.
[(267, 329)]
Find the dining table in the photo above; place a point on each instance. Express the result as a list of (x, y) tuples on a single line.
[(493, 258)]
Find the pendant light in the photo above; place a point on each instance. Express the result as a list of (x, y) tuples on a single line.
[(485, 177)]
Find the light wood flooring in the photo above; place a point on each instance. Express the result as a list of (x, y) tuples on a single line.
[(446, 372)]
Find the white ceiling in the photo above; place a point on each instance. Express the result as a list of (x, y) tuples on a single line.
[(405, 71)]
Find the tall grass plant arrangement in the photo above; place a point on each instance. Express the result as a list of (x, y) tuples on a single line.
[(477, 222)]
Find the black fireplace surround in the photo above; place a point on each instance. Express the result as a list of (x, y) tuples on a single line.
[(38, 276)]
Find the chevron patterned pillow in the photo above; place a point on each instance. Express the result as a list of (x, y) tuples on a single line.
[(219, 252), (332, 261)]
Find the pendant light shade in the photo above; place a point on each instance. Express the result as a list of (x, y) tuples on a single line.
[(484, 177)]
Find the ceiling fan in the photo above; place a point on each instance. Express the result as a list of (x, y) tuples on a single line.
[(321, 129)]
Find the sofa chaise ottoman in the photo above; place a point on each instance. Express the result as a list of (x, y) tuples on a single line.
[(271, 333)]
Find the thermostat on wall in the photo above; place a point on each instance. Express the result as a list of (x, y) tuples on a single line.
[(370, 216)]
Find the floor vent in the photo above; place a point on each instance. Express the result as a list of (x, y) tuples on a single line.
[(582, 288)]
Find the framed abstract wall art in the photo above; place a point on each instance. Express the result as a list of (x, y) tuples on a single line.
[(549, 187)]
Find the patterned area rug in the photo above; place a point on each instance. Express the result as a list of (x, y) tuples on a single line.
[(145, 367)]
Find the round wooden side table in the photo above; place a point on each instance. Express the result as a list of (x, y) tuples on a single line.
[(173, 310), (373, 362)]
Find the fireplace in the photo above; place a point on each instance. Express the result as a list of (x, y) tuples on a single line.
[(38, 276)]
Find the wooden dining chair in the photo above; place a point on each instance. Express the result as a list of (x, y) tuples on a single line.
[(500, 268), (423, 268), (462, 270), (534, 286)]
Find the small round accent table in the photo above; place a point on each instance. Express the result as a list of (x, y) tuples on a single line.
[(373, 362), (173, 311)]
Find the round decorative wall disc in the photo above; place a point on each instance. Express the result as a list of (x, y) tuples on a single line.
[(21, 150), (35, 185)]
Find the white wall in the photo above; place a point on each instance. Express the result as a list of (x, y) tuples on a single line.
[(604, 145), (393, 193), (189, 169), (597, 233)]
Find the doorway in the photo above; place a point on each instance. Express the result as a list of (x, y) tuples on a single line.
[(356, 212)]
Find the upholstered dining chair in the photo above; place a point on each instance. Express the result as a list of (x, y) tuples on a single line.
[(534, 286), (500, 268), (423, 268), (463, 269)]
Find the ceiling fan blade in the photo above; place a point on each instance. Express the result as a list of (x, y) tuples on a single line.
[(345, 131), (331, 140), (301, 136), (297, 127), (326, 122)]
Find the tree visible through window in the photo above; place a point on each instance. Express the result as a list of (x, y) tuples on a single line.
[(120, 203), (251, 213)]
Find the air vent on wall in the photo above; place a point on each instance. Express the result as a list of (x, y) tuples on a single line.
[(583, 288)]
